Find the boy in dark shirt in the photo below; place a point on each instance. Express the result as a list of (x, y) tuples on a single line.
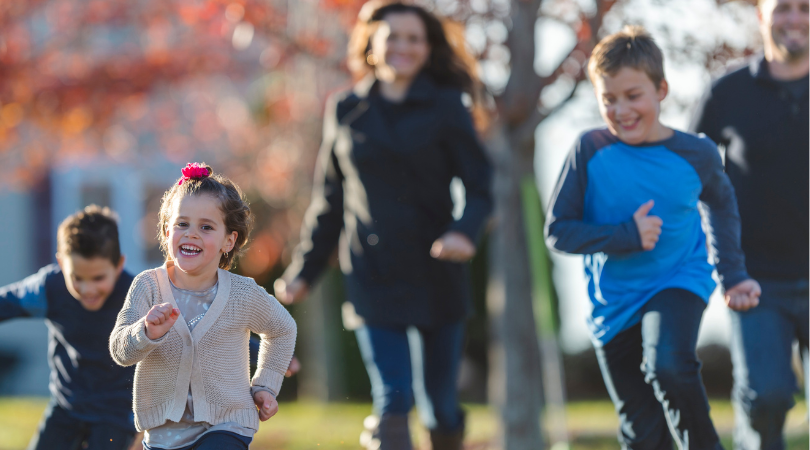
[(628, 200), (91, 405)]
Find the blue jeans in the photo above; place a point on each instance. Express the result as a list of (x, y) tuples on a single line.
[(59, 430), (652, 374), (761, 350), (216, 440), (408, 363)]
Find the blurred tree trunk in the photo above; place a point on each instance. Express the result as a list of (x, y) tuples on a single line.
[(515, 377), (515, 382), (320, 349)]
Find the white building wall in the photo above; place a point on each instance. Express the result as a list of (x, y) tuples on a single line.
[(125, 199), (127, 187), (27, 339)]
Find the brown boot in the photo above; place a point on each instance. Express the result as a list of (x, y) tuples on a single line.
[(447, 441), (389, 432), (452, 440)]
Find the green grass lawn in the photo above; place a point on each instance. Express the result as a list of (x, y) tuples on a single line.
[(302, 425)]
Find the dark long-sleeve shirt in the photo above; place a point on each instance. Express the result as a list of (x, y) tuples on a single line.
[(84, 380), (604, 182), (763, 125), (382, 189)]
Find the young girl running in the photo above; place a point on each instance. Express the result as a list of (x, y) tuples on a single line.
[(192, 389)]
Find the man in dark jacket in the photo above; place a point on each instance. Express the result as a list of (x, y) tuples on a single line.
[(759, 113)]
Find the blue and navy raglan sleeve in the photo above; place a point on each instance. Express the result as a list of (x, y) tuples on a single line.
[(566, 230), (720, 208), (26, 298)]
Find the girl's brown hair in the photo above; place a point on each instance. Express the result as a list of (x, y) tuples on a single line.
[(235, 210), (449, 63)]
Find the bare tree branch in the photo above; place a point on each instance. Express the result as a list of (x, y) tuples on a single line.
[(572, 65), (524, 85)]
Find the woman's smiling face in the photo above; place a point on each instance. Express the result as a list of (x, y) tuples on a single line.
[(401, 45), (197, 234)]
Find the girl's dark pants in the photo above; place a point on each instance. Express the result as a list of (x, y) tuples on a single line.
[(407, 363), (652, 374)]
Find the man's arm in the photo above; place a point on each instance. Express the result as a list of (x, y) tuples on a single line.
[(706, 119)]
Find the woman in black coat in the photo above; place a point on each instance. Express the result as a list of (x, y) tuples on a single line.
[(391, 147)]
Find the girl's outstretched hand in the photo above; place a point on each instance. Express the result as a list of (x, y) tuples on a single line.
[(453, 246), (744, 295), (160, 319), (266, 403)]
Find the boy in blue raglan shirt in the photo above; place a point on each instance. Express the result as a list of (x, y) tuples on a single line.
[(628, 200), (91, 405)]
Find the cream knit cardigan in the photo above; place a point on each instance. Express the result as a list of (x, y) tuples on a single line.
[(213, 359)]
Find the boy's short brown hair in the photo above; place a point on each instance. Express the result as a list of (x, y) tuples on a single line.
[(90, 233), (631, 47)]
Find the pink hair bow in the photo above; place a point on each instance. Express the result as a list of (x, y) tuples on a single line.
[(193, 171)]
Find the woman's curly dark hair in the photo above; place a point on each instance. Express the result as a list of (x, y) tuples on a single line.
[(235, 210), (449, 64)]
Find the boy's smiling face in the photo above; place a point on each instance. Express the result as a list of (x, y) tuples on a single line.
[(630, 103), (90, 280)]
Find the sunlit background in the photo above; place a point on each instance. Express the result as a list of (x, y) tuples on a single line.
[(102, 101)]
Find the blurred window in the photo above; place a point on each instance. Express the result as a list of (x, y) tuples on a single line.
[(151, 246), (98, 194)]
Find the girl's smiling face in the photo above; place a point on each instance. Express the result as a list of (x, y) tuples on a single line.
[(197, 235)]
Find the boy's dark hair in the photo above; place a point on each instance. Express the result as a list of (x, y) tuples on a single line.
[(631, 47), (90, 233), (235, 210)]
